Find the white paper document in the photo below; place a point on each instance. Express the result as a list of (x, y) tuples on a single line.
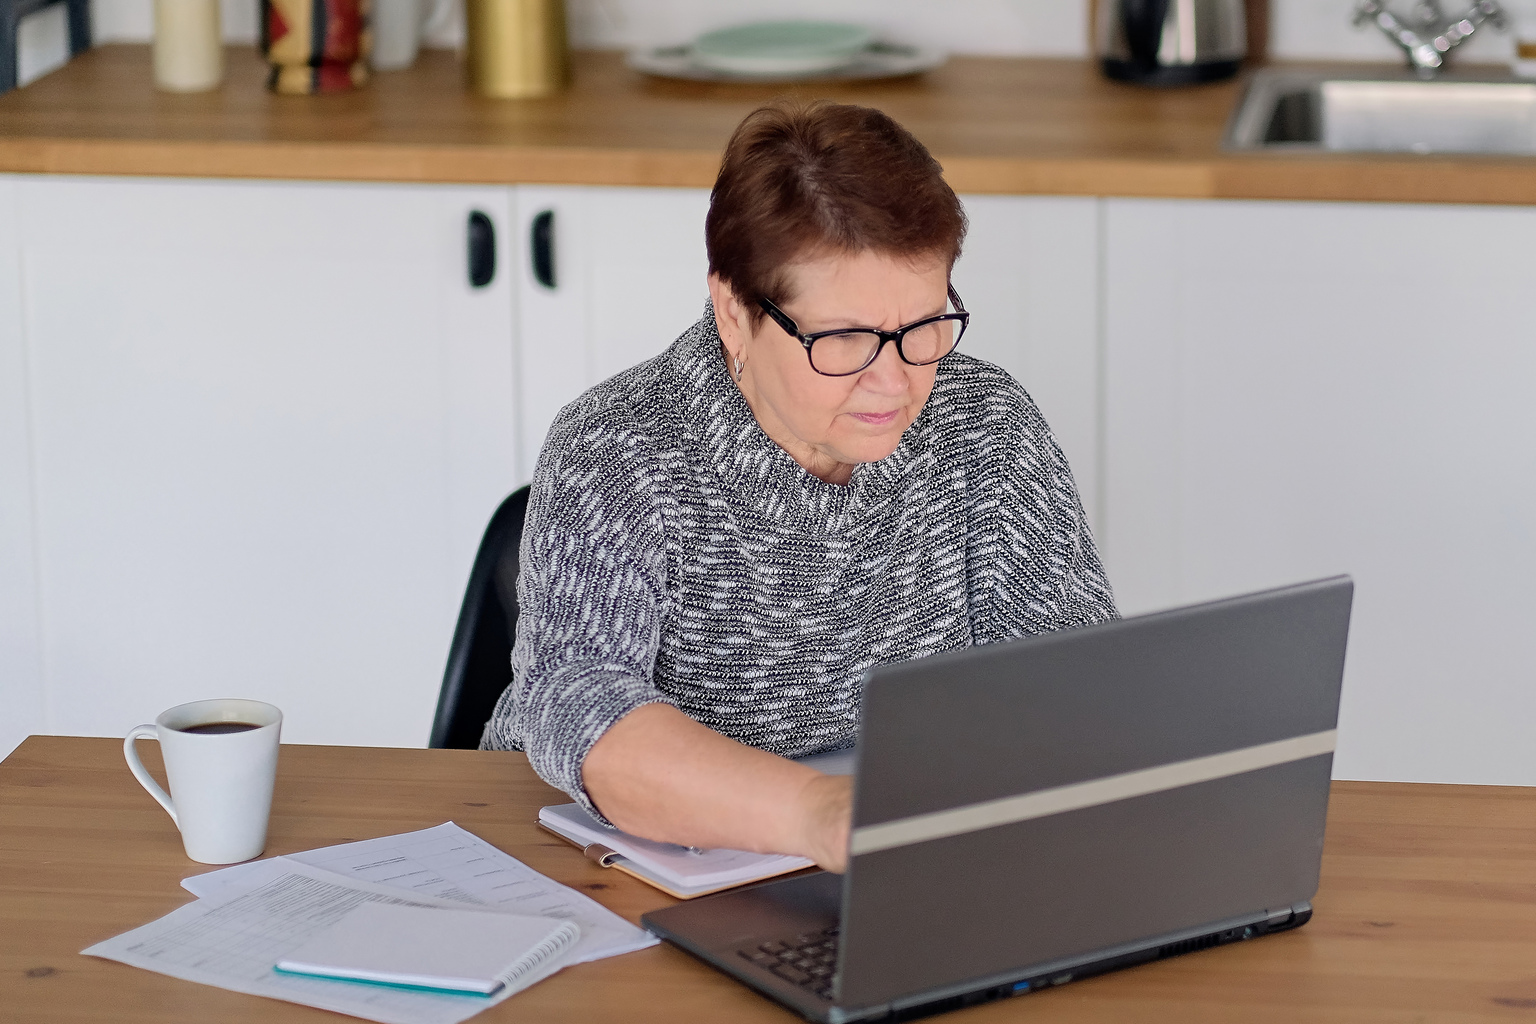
[(448, 862), (233, 941)]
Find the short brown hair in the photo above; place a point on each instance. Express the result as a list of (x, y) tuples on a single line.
[(802, 180)]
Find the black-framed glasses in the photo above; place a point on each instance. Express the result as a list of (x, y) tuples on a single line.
[(848, 350)]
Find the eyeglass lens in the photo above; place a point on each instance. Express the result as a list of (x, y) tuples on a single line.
[(850, 351)]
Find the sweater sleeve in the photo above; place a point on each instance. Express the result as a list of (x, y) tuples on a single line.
[(1039, 569), (591, 588)]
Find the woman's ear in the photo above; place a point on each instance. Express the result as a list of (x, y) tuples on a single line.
[(731, 318)]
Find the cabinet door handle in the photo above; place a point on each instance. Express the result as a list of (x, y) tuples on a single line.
[(482, 250), (541, 243)]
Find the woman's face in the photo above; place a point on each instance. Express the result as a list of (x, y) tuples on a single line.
[(829, 424)]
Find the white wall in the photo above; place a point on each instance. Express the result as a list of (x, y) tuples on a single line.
[(1299, 29), (119, 21), (1323, 30), (965, 26)]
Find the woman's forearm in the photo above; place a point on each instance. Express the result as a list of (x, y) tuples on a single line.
[(659, 774)]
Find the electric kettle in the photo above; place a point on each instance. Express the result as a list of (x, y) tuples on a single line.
[(1171, 42)]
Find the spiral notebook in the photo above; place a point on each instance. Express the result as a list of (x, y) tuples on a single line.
[(434, 949), (676, 870), (681, 871)]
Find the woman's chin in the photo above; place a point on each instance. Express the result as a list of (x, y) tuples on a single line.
[(870, 449)]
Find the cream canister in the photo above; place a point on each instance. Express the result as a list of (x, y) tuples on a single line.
[(189, 45)]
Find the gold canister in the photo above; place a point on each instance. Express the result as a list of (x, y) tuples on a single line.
[(516, 48)]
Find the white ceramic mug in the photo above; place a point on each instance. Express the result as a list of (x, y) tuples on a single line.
[(220, 774)]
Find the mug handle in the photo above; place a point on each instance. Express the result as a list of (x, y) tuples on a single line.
[(147, 732)]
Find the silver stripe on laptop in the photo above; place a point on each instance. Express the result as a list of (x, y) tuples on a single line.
[(1078, 795)]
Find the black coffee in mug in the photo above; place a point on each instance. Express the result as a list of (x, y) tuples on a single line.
[(220, 788)]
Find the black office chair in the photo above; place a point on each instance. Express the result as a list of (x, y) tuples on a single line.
[(479, 661), (77, 15)]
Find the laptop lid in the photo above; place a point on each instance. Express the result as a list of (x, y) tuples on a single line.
[(1089, 789)]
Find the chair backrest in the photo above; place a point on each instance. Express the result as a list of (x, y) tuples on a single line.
[(77, 13), (479, 660)]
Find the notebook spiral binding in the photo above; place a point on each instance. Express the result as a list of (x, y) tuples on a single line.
[(550, 947)]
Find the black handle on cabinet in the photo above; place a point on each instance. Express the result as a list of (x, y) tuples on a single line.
[(482, 249), (541, 242)]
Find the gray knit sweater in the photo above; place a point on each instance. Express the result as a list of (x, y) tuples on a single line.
[(673, 552)]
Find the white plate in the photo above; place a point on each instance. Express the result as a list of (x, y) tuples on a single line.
[(880, 60), (781, 47)]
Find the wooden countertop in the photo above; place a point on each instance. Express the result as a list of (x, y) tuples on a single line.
[(998, 125)]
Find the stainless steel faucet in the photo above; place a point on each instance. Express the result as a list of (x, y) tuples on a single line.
[(1427, 35)]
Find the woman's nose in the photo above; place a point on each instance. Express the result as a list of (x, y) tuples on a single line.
[(888, 373)]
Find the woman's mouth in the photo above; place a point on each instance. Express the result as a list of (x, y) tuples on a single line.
[(875, 419)]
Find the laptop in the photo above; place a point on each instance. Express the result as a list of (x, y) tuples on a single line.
[(1029, 814)]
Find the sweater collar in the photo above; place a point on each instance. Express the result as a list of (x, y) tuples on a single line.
[(761, 475)]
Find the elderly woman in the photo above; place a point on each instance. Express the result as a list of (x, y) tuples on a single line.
[(812, 480)]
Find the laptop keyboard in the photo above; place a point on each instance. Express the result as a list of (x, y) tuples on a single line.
[(808, 960)]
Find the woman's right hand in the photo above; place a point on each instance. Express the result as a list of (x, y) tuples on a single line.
[(658, 774), (826, 810)]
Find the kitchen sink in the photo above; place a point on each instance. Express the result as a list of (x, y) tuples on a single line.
[(1284, 110)]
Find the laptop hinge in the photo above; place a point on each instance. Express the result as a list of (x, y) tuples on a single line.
[(1284, 914)]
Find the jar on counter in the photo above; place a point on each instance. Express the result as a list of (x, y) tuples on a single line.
[(516, 48), (316, 46), (189, 45), (396, 33)]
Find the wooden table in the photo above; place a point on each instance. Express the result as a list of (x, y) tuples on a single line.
[(1427, 910), (997, 124)]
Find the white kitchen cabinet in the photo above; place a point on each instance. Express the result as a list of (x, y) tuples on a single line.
[(630, 271), (268, 423), (1030, 277), (1298, 389), (21, 653), (629, 277), (250, 433)]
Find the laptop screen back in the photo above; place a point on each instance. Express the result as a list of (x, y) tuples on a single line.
[(1091, 788)]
